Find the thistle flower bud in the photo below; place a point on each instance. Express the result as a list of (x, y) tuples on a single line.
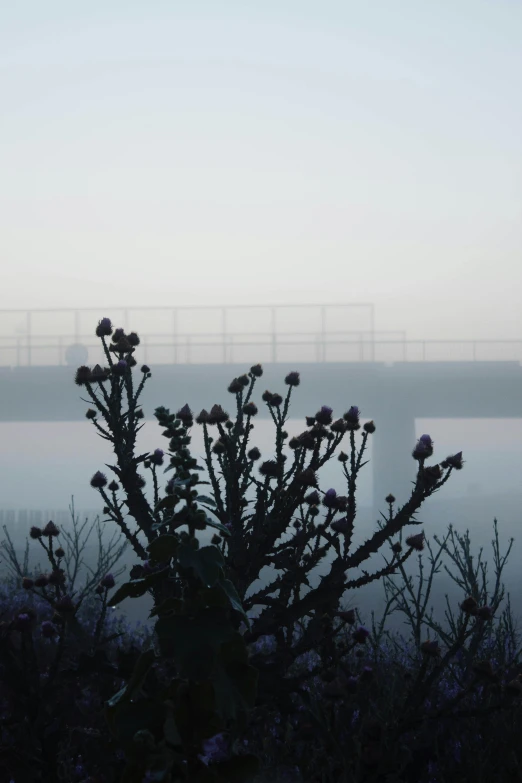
[(369, 427), (256, 370), (351, 417), (307, 477), (276, 400), (219, 447), (91, 414), (50, 529), (217, 415), (235, 386), (390, 498), (310, 421), (65, 605), (108, 581), (60, 552), (83, 375), (202, 417), (145, 369), (41, 581), (113, 486), (361, 635), (324, 416), (339, 425), (157, 457), (430, 648), (104, 328), (35, 532), (342, 526), (139, 414), (244, 379), (292, 379), (396, 548), (99, 480), (270, 468), (294, 443), (423, 449), (416, 542), (329, 499), (469, 606), (342, 457), (250, 409), (485, 612), (120, 368), (341, 503), (313, 498), (48, 630), (133, 339), (313, 511), (118, 335), (454, 461), (254, 454), (306, 440), (57, 576), (27, 583), (185, 415), (99, 374)]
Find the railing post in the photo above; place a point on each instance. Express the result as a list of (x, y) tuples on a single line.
[(323, 332), (224, 333), (372, 333), (273, 312), (29, 338), (175, 333)]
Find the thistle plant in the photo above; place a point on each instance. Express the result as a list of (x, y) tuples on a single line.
[(304, 687), (251, 533)]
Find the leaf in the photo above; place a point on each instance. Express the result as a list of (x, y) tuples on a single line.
[(167, 606), (205, 499), (169, 501), (136, 588), (141, 668), (234, 598), (218, 526), (163, 548), (207, 562)]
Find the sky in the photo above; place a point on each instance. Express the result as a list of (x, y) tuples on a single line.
[(168, 153)]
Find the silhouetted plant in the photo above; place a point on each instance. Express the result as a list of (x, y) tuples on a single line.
[(335, 701)]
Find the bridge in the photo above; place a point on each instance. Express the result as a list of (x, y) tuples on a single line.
[(393, 380)]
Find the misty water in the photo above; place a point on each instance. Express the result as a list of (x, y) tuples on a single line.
[(43, 464)]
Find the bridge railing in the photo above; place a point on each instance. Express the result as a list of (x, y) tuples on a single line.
[(211, 348), (70, 340)]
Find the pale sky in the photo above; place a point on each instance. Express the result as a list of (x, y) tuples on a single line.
[(258, 152)]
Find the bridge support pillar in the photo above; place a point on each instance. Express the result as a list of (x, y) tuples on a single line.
[(393, 466)]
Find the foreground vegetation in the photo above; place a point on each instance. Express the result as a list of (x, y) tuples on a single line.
[(231, 682)]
